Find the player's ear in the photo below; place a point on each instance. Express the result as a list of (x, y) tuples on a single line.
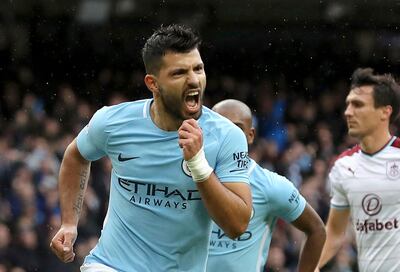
[(151, 83), (251, 135), (386, 112)]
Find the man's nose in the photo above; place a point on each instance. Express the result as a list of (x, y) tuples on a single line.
[(193, 79), (348, 111)]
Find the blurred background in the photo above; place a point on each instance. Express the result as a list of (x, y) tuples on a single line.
[(290, 61)]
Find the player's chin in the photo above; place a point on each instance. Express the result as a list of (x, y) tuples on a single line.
[(353, 132), (192, 114)]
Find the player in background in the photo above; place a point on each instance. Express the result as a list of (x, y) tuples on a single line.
[(273, 197), (365, 180), (176, 165)]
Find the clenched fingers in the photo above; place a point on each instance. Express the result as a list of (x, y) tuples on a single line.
[(62, 245)]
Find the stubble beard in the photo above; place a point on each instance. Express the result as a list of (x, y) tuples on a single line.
[(171, 106), (174, 108)]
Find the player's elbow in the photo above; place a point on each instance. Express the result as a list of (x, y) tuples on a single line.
[(318, 230), (234, 233), (236, 229)]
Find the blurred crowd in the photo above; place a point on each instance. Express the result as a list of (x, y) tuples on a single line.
[(53, 77), (297, 138)]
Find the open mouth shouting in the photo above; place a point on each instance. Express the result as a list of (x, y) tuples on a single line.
[(192, 101)]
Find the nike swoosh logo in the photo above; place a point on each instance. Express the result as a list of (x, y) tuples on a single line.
[(236, 170), (122, 159)]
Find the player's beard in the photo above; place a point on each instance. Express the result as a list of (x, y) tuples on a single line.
[(174, 106)]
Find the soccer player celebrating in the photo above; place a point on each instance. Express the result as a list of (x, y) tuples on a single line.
[(273, 197), (365, 179), (176, 165)]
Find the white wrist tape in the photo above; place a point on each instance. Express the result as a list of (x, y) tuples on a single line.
[(199, 167)]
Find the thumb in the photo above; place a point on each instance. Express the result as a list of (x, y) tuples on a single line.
[(67, 244)]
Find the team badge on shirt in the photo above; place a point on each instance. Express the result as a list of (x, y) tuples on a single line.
[(186, 169), (393, 169)]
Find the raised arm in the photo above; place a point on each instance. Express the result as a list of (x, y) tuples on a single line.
[(335, 230), (229, 204), (311, 224), (74, 174)]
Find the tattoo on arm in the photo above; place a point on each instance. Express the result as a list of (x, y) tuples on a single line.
[(82, 183)]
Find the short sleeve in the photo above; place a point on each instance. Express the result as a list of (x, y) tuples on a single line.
[(284, 198), (233, 158), (92, 139), (338, 196)]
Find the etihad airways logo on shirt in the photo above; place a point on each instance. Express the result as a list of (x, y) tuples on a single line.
[(219, 239), (150, 194)]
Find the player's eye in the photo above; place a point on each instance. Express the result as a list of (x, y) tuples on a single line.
[(199, 68), (178, 72)]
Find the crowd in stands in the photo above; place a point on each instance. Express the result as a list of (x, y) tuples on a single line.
[(296, 138), (298, 113)]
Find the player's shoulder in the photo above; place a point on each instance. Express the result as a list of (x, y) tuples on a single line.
[(267, 181), (126, 110), (343, 165), (258, 174), (216, 123), (348, 155), (391, 152), (210, 116)]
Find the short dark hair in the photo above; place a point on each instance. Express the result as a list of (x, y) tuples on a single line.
[(385, 88), (172, 38)]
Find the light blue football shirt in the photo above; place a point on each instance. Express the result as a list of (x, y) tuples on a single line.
[(273, 197), (156, 220)]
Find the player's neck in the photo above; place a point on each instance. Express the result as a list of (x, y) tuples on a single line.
[(373, 143), (162, 118)]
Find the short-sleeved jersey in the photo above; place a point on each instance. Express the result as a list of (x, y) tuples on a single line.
[(156, 220), (369, 185), (273, 197)]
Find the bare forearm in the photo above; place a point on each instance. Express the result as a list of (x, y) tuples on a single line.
[(74, 174), (312, 251), (229, 210), (331, 247), (335, 231)]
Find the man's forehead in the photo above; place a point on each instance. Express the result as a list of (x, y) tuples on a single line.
[(176, 58), (360, 92)]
